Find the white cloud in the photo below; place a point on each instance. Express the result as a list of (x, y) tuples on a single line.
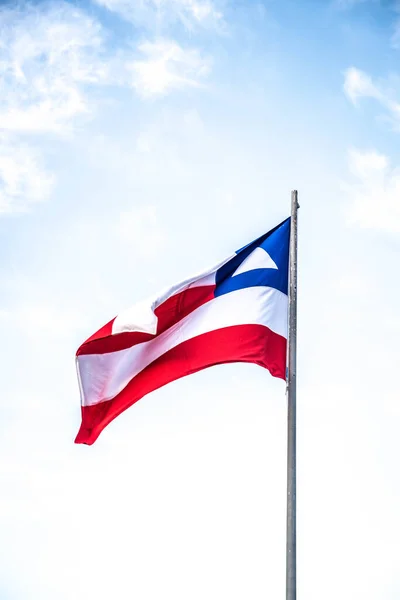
[(358, 84), (367, 164), (375, 193), (155, 12), (50, 54), (54, 53), (167, 66), (22, 179)]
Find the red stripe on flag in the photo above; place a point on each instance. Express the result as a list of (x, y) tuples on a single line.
[(103, 332), (180, 305), (168, 313), (241, 343)]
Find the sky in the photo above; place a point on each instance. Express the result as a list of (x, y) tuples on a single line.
[(140, 142)]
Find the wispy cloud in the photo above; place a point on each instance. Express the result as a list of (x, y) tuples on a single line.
[(165, 66), (53, 57), (23, 180), (358, 84), (50, 54), (150, 13), (374, 194)]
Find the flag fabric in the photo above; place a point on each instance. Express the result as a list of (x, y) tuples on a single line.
[(234, 312)]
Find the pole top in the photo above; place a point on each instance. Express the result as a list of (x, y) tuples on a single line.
[(294, 199)]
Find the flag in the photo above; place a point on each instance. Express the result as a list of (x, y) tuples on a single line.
[(234, 312)]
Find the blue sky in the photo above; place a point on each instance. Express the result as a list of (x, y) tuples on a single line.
[(141, 142)]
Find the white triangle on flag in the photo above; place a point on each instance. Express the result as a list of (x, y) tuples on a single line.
[(258, 259)]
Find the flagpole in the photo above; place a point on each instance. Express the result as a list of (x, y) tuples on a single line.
[(291, 396)]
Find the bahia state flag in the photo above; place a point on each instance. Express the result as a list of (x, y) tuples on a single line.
[(234, 312)]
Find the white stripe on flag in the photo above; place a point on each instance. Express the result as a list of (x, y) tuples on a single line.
[(141, 317), (103, 376)]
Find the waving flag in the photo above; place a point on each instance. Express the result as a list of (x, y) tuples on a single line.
[(235, 312)]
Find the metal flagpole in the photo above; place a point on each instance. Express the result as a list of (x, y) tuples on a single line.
[(291, 396)]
